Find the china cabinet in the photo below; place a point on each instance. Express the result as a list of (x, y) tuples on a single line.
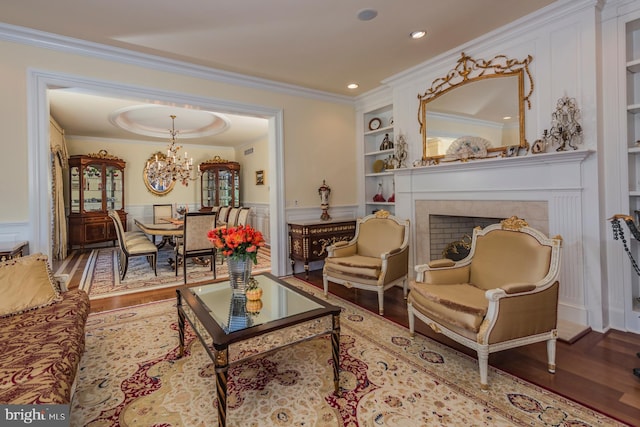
[(379, 152), (220, 183), (96, 185)]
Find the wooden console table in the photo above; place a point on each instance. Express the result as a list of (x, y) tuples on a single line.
[(10, 250), (308, 240)]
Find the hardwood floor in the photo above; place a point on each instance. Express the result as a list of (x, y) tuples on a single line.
[(596, 370)]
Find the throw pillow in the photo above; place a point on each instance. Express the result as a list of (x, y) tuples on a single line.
[(26, 283)]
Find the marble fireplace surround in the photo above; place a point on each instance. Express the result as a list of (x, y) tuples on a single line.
[(545, 189)]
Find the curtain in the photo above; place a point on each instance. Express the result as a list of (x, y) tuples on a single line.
[(59, 163)]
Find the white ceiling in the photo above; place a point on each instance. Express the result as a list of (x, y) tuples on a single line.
[(320, 45)]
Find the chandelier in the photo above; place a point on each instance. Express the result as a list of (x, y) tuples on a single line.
[(163, 170)]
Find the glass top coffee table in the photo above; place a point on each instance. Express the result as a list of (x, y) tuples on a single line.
[(233, 329)]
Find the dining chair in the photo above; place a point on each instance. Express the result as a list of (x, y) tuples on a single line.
[(194, 242), (161, 214), (243, 216), (232, 218), (223, 213), (134, 245)]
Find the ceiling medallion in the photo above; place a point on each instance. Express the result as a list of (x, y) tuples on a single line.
[(150, 120)]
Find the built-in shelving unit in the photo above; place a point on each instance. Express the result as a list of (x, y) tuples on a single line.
[(632, 52), (378, 173)]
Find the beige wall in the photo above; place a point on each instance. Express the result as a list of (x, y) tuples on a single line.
[(318, 134), (257, 159)]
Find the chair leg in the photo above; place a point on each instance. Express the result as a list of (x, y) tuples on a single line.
[(325, 283), (412, 320), (551, 355), (184, 269), (381, 301), (483, 363), (124, 269), (154, 258)]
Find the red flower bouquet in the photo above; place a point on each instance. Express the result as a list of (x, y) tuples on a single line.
[(239, 242)]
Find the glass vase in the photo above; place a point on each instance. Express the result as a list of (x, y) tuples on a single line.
[(239, 274)]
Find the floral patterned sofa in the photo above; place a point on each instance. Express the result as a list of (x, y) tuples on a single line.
[(41, 333)]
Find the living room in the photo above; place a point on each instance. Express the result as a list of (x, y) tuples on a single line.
[(577, 49)]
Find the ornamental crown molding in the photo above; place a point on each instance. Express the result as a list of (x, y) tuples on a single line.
[(52, 41)]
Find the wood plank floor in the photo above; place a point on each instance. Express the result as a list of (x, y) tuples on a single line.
[(596, 370)]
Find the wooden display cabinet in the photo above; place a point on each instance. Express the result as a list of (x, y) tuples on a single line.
[(220, 183), (96, 185)]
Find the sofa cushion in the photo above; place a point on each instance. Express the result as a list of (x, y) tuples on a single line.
[(26, 283), (41, 350), (462, 305)]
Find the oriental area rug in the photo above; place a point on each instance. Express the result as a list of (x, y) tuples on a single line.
[(130, 376), (102, 280)]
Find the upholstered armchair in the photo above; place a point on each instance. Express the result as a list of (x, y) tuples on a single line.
[(504, 294), (376, 259)]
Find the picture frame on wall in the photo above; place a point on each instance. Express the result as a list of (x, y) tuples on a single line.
[(260, 177)]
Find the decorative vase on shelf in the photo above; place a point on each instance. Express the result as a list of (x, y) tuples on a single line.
[(239, 273)]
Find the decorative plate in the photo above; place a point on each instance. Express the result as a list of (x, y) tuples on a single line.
[(378, 166), (468, 147), (375, 123)]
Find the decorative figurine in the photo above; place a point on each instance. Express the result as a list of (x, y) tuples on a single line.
[(565, 129), (386, 143), (378, 197), (324, 192), (401, 152)]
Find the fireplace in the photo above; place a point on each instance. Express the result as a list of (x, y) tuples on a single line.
[(450, 235), (544, 189), (432, 214)]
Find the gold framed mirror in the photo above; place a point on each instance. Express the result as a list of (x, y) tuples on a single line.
[(157, 187), (476, 111)]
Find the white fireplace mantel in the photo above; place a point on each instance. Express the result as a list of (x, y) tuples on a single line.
[(555, 179)]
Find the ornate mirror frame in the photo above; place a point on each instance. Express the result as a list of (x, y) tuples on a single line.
[(469, 70), (157, 190)]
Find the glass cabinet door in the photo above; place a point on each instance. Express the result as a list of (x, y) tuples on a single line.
[(208, 189), (224, 187), (75, 189), (93, 189), (236, 189), (114, 187)]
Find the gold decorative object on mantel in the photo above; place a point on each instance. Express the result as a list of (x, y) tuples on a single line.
[(103, 154), (501, 81)]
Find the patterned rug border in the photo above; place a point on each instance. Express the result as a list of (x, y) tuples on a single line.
[(570, 402), (89, 273), (492, 399)]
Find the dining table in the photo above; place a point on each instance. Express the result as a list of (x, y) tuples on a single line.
[(168, 229)]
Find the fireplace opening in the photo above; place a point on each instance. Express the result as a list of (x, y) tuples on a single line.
[(450, 235)]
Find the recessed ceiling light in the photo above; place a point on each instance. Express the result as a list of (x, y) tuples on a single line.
[(367, 14), (418, 34), (506, 118), (353, 86)]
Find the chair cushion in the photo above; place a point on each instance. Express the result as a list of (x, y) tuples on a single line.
[(141, 247), (355, 265), (379, 235), (501, 257), (462, 305)]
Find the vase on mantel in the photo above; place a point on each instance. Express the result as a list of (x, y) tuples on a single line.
[(239, 273)]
